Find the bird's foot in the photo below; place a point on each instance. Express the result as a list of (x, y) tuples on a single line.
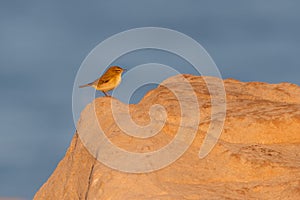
[(107, 95)]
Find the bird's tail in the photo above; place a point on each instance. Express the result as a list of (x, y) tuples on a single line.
[(86, 85)]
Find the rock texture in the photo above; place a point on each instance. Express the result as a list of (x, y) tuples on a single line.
[(256, 157)]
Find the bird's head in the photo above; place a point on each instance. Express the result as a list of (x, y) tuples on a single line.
[(116, 70)]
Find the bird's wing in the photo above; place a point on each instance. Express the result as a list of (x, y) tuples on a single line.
[(103, 79)]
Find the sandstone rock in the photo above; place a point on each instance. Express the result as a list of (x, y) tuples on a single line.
[(256, 157)]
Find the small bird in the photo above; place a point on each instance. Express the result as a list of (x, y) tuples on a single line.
[(108, 81)]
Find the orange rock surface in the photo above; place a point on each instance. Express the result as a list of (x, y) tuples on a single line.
[(256, 157)]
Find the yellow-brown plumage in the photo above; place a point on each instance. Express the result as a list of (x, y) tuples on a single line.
[(108, 81)]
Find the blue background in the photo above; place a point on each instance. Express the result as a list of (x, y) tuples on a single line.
[(42, 44)]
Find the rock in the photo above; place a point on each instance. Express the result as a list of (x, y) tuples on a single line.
[(256, 157)]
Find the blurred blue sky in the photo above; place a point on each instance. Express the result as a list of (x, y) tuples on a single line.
[(42, 44)]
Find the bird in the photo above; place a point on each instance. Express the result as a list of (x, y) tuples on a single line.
[(108, 81)]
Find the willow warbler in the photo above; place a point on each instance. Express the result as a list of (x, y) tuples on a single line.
[(108, 81)]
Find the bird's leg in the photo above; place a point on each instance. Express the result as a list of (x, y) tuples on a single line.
[(106, 94)]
